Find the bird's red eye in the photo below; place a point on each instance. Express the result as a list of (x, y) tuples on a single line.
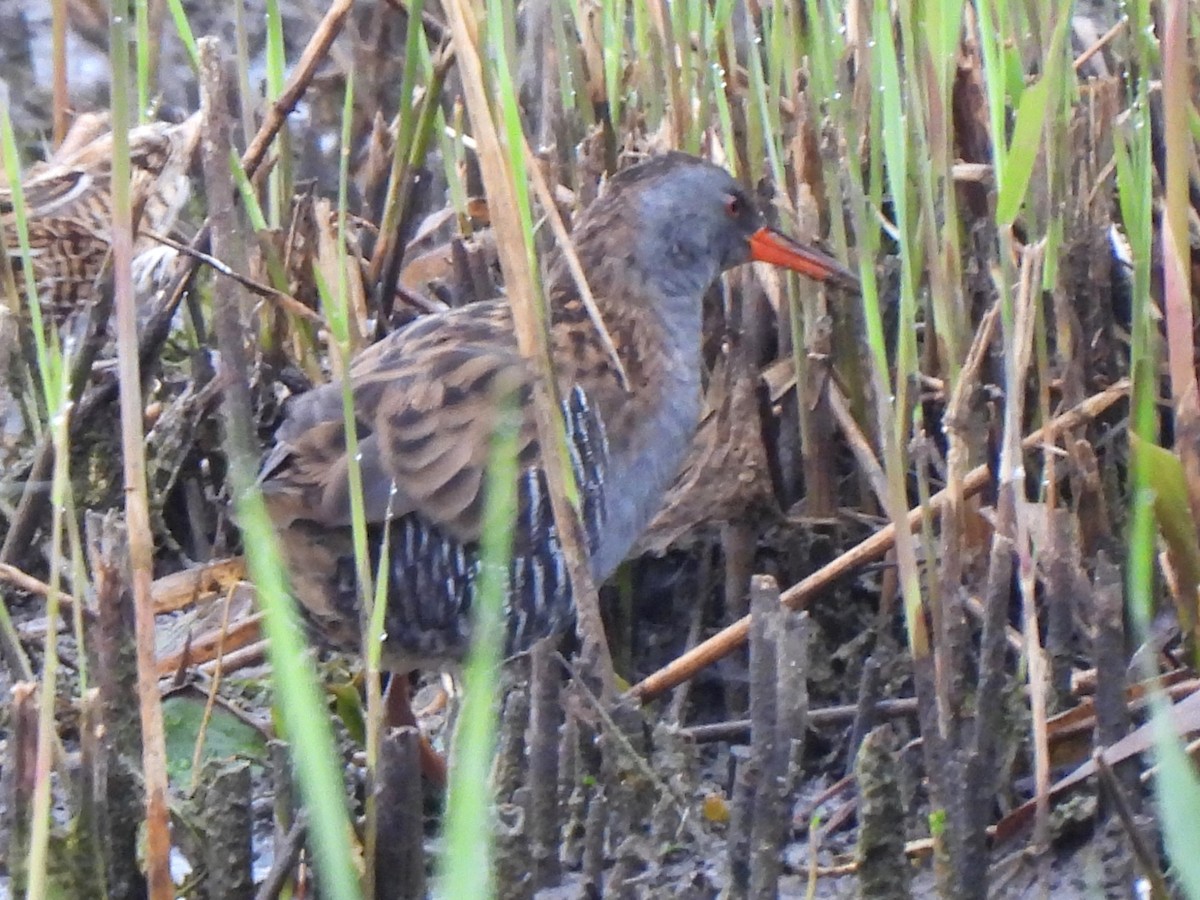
[(733, 205)]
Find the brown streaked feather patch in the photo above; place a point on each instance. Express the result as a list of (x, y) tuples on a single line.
[(428, 394)]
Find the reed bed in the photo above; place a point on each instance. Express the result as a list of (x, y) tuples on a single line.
[(919, 617)]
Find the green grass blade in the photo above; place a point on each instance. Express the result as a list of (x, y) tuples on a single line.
[(1178, 793), (301, 707), (12, 172), (1023, 151), (184, 29), (466, 866), (141, 12)]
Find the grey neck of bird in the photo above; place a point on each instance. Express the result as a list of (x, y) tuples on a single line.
[(662, 412), (681, 318), (681, 287)]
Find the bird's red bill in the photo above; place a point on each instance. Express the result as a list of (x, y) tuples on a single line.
[(770, 246)]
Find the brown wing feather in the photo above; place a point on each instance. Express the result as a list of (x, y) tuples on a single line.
[(425, 402)]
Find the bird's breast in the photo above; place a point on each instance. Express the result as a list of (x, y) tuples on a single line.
[(659, 422)]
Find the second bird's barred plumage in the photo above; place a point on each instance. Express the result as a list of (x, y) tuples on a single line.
[(69, 209), (432, 575)]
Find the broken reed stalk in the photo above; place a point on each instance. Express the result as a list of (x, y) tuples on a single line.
[(800, 594), (509, 769), (792, 716), (741, 824), (230, 298), (951, 635), (111, 645), (865, 715), (1028, 302), (1066, 591), (883, 869), (399, 849), (739, 545), (573, 788), (768, 822), (541, 743), (88, 826), (20, 779), (133, 449), (61, 103), (226, 820), (513, 877), (591, 863), (696, 616), (1107, 590), (860, 445)]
